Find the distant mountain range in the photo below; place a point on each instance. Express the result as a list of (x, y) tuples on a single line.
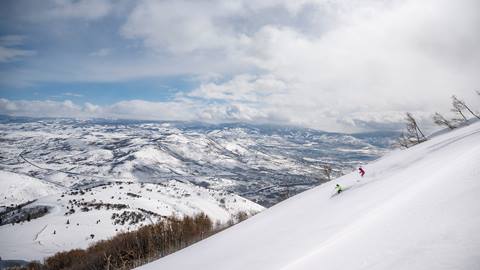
[(264, 163)]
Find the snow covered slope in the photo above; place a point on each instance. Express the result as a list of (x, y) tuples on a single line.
[(75, 215), (415, 209), (18, 188)]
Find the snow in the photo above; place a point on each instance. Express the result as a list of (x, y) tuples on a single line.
[(35, 240), (17, 188), (152, 155), (414, 209), (243, 158)]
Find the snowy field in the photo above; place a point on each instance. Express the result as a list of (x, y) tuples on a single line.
[(414, 209)]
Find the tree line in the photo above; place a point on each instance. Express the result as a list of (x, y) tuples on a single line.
[(413, 134), (128, 250)]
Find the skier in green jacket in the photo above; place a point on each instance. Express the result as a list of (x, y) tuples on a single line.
[(338, 188)]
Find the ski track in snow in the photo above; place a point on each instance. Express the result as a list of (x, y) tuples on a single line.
[(36, 235)]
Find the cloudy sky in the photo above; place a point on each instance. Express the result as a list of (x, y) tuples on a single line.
[(346, 65)]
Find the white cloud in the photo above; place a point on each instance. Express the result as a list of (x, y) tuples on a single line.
[(131, 109), (12, 40), (11, 54), (81, 9), (404, 56), (8, 52), (37, 108), (101, 52), (135, 109), (257, 111), (70, 94), (91, 109), (182, 26), (242, 88), (236, 112), (140, 109)]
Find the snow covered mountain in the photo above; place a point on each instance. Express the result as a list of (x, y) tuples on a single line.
[(262, 163), (414, 209), (67, 183)]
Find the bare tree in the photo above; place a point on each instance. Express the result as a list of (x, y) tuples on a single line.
[(413, 134), (403, 141), (413, 130), (442, 121), (463, 105), (458, 110), (327, 171)]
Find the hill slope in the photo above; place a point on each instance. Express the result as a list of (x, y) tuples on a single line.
[(18, 188), (78, 218), (415, 209)]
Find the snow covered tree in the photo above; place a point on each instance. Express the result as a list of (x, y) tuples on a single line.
[(413, 134), (403, 141), (442, 121), (413, 130), (461, 104), (458, 110), (327, 171), (241, 216)]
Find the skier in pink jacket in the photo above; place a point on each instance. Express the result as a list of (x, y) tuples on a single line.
[(361, 171)]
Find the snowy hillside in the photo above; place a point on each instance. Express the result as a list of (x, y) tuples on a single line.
[(17, 188), (415, 209), (77, 218)]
